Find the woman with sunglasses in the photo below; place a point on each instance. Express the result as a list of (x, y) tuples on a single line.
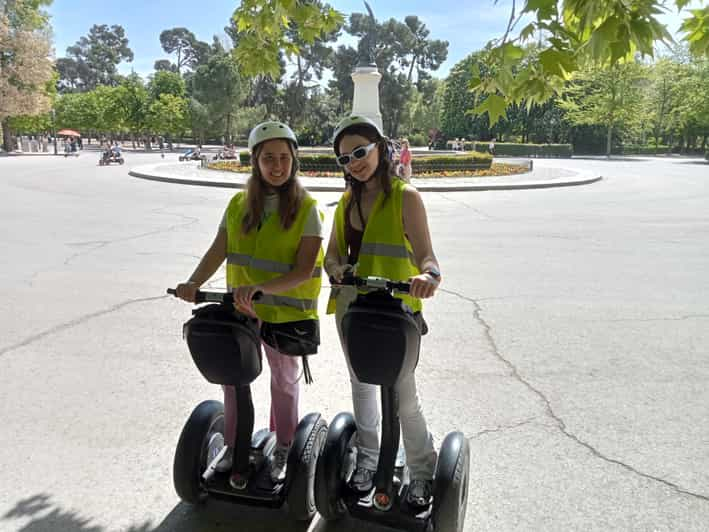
[(379, 208)]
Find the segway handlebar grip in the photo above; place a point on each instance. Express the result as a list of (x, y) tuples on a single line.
[(203, 296), (376, 283)]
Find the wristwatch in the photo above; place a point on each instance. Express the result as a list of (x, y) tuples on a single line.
[(433, 272)]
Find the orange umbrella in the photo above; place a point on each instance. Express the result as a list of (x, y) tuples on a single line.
[(69, 133)]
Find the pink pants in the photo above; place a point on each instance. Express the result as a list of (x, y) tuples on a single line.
[(284, 398)]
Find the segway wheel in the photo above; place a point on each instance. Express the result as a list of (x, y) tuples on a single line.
[(206, 420), (332, 471), (450, 487), (302, 461), (121, 161)]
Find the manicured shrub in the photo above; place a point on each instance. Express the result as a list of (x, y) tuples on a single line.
[(510, 149)]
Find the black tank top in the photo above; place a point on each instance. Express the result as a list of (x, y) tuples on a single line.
[(353, 237)]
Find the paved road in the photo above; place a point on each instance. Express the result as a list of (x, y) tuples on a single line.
[(569, 342)]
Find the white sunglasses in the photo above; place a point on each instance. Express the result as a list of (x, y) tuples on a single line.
[(358, 153)]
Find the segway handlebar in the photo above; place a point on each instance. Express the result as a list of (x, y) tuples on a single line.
[(374, 283), (203, 296)]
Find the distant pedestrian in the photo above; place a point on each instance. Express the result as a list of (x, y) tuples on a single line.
[(404, 167), (491, 146)]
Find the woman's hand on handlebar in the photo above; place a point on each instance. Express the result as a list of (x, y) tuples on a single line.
[(423, 286), (243, 296), (187, 291), (338, 271)]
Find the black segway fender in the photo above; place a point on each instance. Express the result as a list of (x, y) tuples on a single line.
[(191, 454), (302, 460), (329, 474), (450, 486)]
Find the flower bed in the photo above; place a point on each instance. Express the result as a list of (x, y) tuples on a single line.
[(495, 169)]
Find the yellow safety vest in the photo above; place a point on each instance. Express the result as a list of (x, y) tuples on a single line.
[(385, 251), (269, 252)]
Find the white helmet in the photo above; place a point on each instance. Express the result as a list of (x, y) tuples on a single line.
[(271, 130), (354, 120)]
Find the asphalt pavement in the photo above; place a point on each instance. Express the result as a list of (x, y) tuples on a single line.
[(568, 342)]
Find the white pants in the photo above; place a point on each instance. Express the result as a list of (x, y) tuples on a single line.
[(418, 441)]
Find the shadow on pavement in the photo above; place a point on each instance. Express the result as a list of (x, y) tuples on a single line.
[(45, 516)]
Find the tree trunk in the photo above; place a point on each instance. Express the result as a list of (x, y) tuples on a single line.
[(7, 143), (609, 140)]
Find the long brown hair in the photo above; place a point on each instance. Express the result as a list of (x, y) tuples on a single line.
[(290, 194), (384, 171)]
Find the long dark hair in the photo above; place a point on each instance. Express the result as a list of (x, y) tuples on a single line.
[(290, 193), (384, 172)]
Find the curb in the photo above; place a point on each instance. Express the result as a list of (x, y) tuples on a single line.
[(144, 172)]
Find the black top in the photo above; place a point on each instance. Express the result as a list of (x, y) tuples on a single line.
[(353, 237)]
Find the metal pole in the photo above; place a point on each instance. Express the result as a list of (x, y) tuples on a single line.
[(54, 131)]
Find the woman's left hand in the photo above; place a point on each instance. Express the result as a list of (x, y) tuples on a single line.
[(423, 286), (243, 296)]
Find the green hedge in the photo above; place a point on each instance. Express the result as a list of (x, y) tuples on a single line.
[(326, 163), (469, 161), (633, 149), (706, 156), (512, 149)]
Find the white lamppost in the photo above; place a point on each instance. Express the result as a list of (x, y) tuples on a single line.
[(366, 80)]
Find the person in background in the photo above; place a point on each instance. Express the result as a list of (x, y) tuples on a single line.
[(405, 161)]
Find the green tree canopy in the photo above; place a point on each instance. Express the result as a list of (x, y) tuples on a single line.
[(94, 59)]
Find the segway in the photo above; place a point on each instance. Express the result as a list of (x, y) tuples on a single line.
[(382, 340), (225, 346)]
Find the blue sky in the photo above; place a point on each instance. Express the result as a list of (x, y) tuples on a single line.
[(466, 25)]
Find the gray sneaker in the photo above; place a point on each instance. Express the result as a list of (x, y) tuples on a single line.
[(420, 492), (362, 479), (279, 463)]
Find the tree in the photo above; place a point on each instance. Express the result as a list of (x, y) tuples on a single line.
[(457, 99), (167, 115), (578, 34), (181, 41), (218, 86), (133, 98), (94, 59), (397, 52), (25, 68), (164, 64), (263, 27), (163, 82), (610, 97)]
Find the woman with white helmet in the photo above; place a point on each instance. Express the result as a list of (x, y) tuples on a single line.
[(270, 236), (381, 229)]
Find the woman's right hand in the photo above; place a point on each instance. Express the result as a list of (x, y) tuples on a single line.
[(187, 291), (338, 271)]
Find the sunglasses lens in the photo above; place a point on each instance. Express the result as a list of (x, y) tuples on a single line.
[(359, 153), (343, 160)]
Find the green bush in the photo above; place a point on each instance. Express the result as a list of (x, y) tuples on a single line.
[(418, 139), (439, 163), (634, 149), (469, 161), (245, 158), (523, 150), (706, 155)]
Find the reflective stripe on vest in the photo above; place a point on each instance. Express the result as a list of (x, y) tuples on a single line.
[(272, 266)]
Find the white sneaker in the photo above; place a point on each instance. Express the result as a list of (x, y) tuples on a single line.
[(225, 463), (362, 479), (279, 463)]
